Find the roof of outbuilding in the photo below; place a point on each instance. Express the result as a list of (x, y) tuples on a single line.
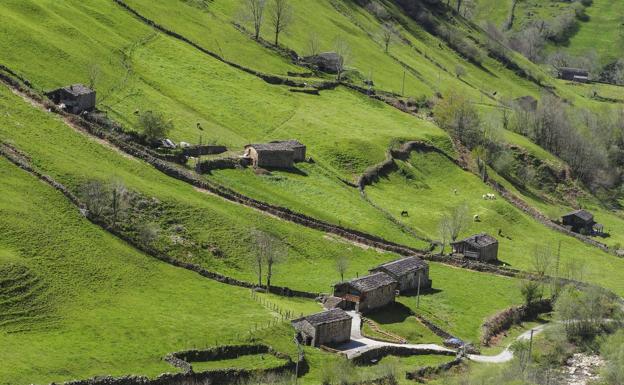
[(579, 71), (403, 266), (329, 316), (582, 214), (78, 89), (282, 145), (372, 281), (479, 240)]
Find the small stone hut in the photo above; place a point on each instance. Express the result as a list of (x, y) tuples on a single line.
[(76, 98), (330, 327), (367, 293), (278, 154), (482, 247), (329, 62), (574, 74), (582, 222), (408, 272)]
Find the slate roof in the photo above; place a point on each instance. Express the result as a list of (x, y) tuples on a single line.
[(372, 282), (78, 89), (479, 240), (575, 71), (326, 317), (282, 145), (403, 266), (582, 214)]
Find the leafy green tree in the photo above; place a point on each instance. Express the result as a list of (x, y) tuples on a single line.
[(154, 125)]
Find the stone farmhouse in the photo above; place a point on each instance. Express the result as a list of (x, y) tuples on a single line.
[(573, 74), (582, 222), (278, 154), (367, 293), (330, 327), (408, 272), (481, 247), (77, 98)]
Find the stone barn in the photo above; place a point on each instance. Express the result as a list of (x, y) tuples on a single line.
[(482, 247), (573, 74), (76, 98), (298, 148), (407, 272), (278, 154), (367, 293), (329, 62), (330, 327), (582, 222)]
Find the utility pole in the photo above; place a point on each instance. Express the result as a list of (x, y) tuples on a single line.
[(299, 357)]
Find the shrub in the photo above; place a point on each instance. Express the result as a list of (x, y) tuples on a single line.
[(154, 125)]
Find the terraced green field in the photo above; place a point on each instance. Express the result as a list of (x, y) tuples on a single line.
[(91, 305), (77, 302), (427, 189)]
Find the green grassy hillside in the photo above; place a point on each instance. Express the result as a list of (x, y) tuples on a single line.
[(426, 186), (86, 304), (77, 302)]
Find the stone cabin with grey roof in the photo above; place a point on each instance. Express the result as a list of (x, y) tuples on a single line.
[(408, 272), (482, 247), (367, 293), (331, 327), (77, 98), (582, 222), (277, 154), (574, 74)]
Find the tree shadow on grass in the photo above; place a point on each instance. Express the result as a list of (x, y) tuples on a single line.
[(391, 314)]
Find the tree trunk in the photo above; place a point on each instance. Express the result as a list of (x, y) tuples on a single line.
[(259, 272), (276, 38), (269, 274)]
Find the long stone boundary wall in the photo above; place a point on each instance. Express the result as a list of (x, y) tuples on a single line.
[(399, 351), (271, 79), (433, 370), (182, 360), (510, 317)]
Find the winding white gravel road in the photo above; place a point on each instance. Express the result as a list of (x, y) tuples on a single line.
[(360, 344)]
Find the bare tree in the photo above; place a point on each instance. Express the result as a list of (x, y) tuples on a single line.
[(120, 199), (343, 49), (148, 233), (543, 260), (388, 34), (313, 44), (254, 13), (454, 222), (342, 264), (94, 195), (269, 251), (281, 15)]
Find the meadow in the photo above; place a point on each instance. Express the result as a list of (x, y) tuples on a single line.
[(430, 182)]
